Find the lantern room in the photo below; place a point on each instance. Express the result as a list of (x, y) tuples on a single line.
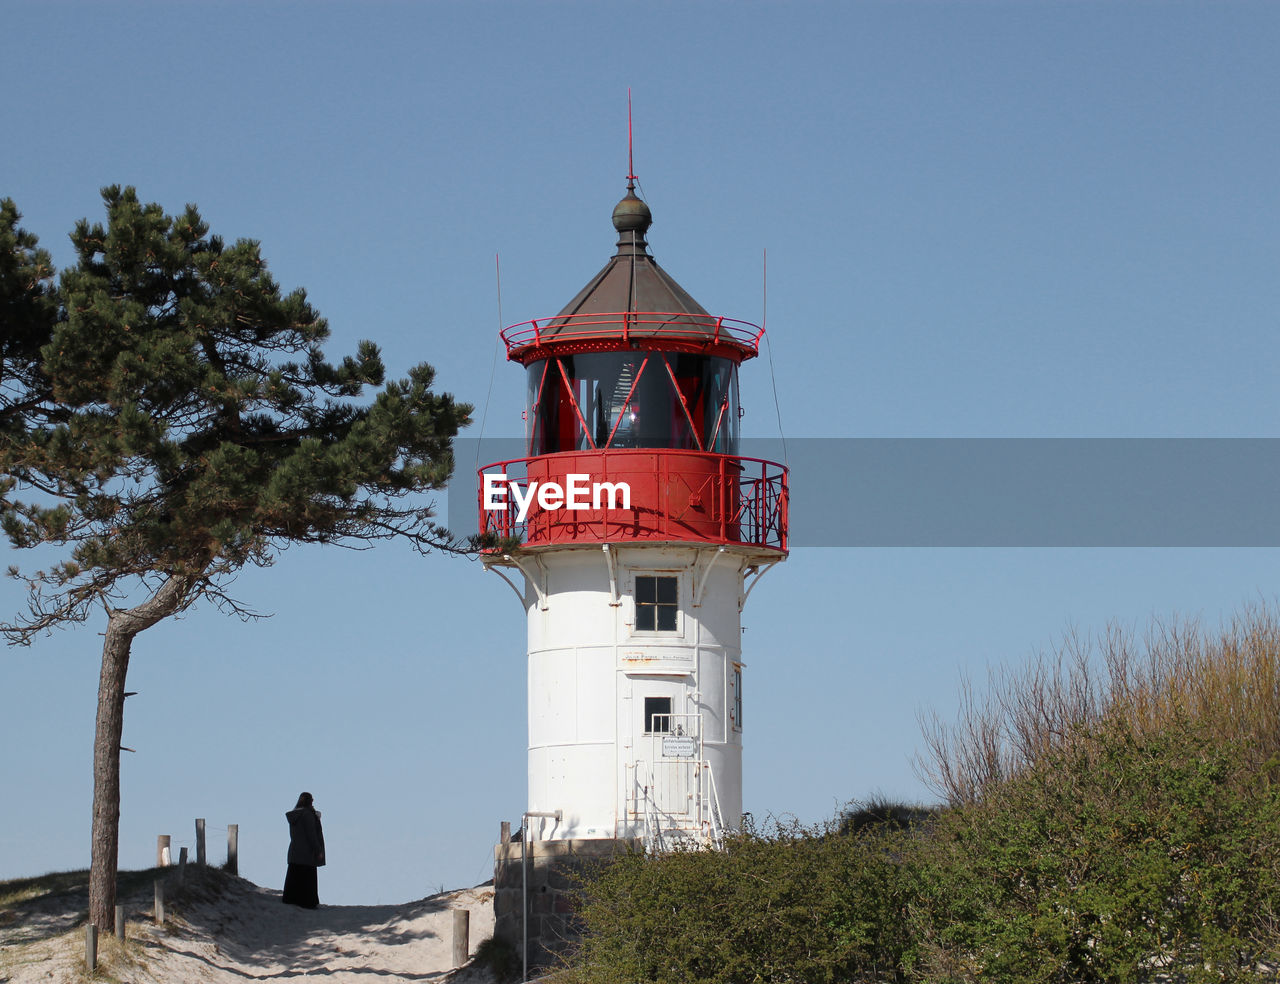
[(634, 382)]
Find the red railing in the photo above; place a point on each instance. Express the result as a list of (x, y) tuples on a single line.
[(674, 496), (628, 326)]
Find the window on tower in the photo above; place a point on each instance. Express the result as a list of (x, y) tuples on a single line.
[(657, 715), (735, 713), (657, 603)]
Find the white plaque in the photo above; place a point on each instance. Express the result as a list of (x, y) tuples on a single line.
[(679, 747)]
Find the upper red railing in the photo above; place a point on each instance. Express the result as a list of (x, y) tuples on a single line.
[(585, 332), (674, 496)]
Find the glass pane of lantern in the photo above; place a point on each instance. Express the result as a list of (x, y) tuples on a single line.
[(654, 416), (544, 404)]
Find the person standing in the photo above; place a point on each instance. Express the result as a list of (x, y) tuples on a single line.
[(306, 854)]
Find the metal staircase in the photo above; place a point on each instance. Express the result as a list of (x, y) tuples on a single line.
[(673, 798)]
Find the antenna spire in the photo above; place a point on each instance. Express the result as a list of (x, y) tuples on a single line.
[(631, 216), (631, 167)]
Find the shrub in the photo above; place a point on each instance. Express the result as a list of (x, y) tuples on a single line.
[(877, 812), (500, 958), (1125, 856), (793, 904)]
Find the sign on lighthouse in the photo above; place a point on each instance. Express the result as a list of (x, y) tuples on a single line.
[(641, 530)]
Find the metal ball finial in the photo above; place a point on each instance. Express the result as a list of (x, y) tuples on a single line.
[(631, 214)]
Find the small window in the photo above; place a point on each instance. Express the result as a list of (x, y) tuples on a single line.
[(657, 715), (737, 698), (657, 603)]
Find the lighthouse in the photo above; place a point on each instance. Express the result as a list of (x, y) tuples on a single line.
[(633, 531)]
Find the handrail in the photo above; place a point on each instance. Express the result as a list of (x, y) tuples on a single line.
[(709, 823), (717, 819), (748, 499), (676, 325)]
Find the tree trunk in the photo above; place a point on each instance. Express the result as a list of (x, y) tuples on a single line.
[(122, 626), (106, 778)]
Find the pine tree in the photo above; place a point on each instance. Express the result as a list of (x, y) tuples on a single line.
[(192, 427)]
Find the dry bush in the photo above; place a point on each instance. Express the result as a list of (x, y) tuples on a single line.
[(1226, 681)]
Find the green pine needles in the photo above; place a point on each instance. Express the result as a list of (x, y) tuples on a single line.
[(28, 310), (192, 424)]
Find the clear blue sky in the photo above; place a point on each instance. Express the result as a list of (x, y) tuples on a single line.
[(982, 219)]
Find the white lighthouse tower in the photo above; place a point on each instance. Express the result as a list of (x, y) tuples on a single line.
[(643, 531)]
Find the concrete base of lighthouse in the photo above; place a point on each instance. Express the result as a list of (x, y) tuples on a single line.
[(539, 881)]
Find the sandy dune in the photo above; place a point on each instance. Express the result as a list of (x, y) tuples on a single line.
[(221, 929)]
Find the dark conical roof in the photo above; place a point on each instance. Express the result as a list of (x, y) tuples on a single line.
[(632, 280), (632, 283)]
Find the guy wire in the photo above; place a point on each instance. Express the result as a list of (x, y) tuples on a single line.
[(493, 367)]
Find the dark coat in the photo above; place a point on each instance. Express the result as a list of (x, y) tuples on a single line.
[(306, 837)]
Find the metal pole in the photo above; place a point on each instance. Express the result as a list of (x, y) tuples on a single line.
[(524, 902), (524, 877)]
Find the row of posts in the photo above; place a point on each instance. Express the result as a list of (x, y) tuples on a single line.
[(164, 856), (164, 859)]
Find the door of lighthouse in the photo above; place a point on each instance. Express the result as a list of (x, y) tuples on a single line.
[(668, 751)]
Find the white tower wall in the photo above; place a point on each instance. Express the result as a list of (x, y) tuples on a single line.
[(596, 682)]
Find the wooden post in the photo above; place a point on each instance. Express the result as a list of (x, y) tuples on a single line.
[(120, 923), (159, 902), (162, 850), (91, 947), (506, 832), (461, 936), (233, 848), (200, 841), (182, 865)]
